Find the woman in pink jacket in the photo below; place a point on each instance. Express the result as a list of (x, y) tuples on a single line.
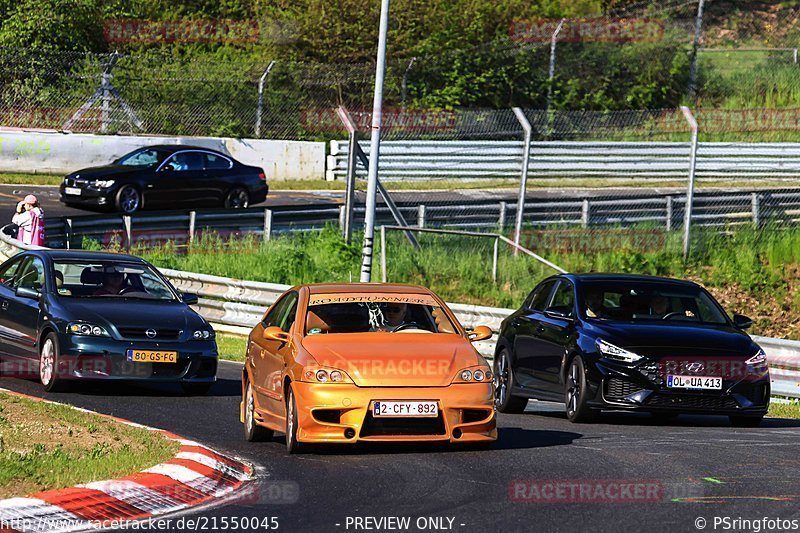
[(30, 219)]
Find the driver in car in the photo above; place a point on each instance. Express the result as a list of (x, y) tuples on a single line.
[(113, 283), (394, 315)]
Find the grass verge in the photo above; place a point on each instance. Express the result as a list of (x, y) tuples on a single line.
[(784, 410), (47, 446), (751, 272), (231, 347), (30, 179)]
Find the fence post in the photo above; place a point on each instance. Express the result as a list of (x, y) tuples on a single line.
[(794, 55), (192, 222), (495, 253), (68, 232), (260, 108), (585, 207), (551, 74), (755, 203), (687, 217), (421, 215), (267, 224), (383, 254), (698, 30), (523, 182), (669, 213), (404, 83), (501, 219), (128, 223)]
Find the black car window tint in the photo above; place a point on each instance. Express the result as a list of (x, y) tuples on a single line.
[(8, 271), (564, 297), (194, 160), (539, 302), (216, 162)]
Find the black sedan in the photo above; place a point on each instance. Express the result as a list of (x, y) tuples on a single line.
[(67, 316), (630, 342), (165, 177)]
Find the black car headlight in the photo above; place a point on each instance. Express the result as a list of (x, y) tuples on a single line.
[(103, 184), (615, 352), (203, 334), (85, 328)]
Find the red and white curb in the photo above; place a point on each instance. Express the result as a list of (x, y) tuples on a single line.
[(197, 475)]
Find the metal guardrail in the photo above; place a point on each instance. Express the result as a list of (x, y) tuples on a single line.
[(651, 161), (240, 303), (710, 209)]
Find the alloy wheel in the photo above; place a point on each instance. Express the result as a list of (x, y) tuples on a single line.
[(47, 362)]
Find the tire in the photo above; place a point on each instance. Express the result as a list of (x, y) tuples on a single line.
[(292, 444), (252, 431), (575, 396), (48, 364), (237, 198), (745, 421), (504, 401), (196, 389), (128, 199)]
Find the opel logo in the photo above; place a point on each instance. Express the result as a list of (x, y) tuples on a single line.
[(695, 367), (151, 333)]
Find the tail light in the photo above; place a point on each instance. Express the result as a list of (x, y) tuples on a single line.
[(262, 176)]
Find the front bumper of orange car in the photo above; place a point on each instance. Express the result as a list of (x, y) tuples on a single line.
[(329, 413)]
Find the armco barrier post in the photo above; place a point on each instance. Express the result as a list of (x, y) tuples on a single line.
[(687, 217), (755, 205), (267, 224), (192, 222), (523, 181), (127, 223), (67, 232), (421, 216)]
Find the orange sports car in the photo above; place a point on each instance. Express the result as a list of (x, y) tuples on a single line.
[(342, 363)]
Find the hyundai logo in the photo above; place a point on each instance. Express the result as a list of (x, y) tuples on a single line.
[(151, 333), (695, 367)]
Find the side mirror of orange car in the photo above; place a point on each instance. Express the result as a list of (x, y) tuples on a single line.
[(480, 333), (274, 333)]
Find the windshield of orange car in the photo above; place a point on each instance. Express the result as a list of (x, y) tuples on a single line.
[(363, 313)]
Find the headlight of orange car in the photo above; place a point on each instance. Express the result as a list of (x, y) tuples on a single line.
[(326, 375), (480, 374)]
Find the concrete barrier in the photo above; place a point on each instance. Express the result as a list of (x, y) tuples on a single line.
[(61, 153)]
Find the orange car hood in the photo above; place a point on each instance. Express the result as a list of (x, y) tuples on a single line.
[(394, 359)]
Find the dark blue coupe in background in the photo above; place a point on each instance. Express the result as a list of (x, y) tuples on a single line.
[(633, 343), (71, 315)]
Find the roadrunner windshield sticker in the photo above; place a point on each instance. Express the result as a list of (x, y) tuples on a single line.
[(419, 299)]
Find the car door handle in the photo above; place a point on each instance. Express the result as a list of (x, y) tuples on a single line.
[(540, 329), (4, 305), (516, 323)]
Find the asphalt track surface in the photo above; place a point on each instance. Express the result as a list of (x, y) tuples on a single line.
[(703, 466)]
